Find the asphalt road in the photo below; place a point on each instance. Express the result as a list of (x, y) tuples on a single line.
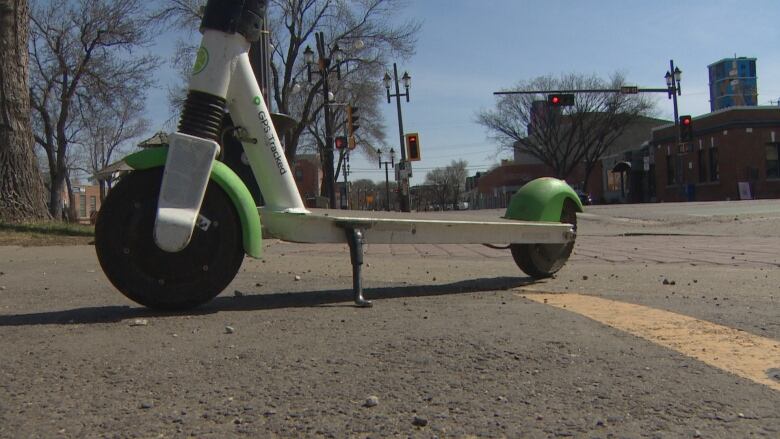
[(665, 323)]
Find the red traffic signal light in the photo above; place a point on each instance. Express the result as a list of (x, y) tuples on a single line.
[(412, 147), (560, 99), (340, 142), (686, 128)]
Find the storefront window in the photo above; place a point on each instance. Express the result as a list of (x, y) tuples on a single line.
[(613, 181), (773, 161), (702, 164), (83, 205), (714, 168)]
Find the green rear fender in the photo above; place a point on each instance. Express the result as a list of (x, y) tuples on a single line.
[(541, 200), (228, 181)]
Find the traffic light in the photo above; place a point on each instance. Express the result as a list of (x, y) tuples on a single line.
[(412, 147), (340, 142), (352, 120), (686, 128), (560, 99)]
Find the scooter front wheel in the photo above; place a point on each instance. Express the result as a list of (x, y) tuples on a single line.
[(155, 278), (543, 260)]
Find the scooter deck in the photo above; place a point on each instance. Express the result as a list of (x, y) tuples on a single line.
[(327, 226)]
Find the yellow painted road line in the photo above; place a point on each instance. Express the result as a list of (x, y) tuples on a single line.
[(729, 349)]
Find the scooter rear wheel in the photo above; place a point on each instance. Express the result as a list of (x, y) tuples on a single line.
[(155, 278), (543, 260)]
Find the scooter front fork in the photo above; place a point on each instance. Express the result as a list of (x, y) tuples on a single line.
[(191, 154)]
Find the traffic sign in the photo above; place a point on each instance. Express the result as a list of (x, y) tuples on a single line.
[(629, 89)]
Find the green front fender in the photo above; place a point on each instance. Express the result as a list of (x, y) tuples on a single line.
[(541, 200), (228, 181)]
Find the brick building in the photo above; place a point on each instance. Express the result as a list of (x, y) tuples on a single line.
[(87, 199), (732, 149), (308, 175)]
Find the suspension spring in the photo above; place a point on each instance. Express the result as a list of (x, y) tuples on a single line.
[(202, 115)]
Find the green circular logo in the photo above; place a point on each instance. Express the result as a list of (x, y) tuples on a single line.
[(201, 60), (256, 100)]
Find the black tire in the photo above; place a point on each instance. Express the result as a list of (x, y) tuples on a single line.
[(542, 260), (155, 278)]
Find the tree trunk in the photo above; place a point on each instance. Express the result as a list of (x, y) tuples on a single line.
[(588, 170), (22, 196), (72, 207), (55, 196)]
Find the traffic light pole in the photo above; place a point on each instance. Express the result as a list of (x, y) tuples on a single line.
[(324, 69), (624, 90), (674, 90)]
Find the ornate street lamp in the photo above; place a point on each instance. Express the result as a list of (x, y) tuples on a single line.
[(324, 66), (403, 165), (673, 90)]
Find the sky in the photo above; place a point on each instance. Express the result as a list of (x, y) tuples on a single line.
[(466, 50)]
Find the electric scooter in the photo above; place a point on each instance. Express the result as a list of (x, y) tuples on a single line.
[(173, 232)]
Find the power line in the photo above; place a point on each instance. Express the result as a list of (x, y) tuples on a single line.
[(460, 154)]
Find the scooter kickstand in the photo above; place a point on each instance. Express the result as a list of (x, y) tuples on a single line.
[(355, 240)]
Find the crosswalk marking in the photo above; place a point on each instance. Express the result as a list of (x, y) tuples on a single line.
[(729, 349)]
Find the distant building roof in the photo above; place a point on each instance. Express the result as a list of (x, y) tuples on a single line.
[(732, 59), (160, 138)]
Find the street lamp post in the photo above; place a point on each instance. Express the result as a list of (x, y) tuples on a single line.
[(346, 181), (324, 69), (404, 165), (673, 90), (387, 175)]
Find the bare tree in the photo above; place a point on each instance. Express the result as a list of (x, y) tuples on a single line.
[(458, 172), (80, 50), (108, 128), (184, 14), (364, 32), (22, 195), (446, 184), (564, 138)]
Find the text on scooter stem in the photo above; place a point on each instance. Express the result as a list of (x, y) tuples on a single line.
[(269, 135)]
